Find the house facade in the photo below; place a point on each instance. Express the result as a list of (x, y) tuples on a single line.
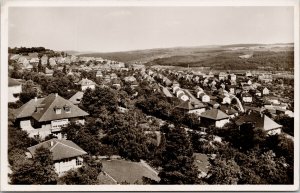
[(66, 154), (214, 117), (44, 116), (86, 83)]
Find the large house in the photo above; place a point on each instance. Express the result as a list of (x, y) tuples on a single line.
[(14, 90), (260, 121), (66, 154), (195, 107), (86, 83), (44, 116), (214, 117)]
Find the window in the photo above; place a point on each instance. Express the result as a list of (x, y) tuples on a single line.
[(78, 161), (67, 109), (58, 110)]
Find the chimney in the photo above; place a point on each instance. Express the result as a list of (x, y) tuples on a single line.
[(56, 94), (51, 143), (35, 99)]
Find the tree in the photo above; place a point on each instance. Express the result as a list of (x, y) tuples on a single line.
[(39, 170), (224, 172), (93, 100), (177, 159)]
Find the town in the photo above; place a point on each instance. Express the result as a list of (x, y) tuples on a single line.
[(90, 120)]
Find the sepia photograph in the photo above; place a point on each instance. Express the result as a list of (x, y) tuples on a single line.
[(144, 95)]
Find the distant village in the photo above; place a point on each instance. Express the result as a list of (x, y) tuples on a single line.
[(202, 103)]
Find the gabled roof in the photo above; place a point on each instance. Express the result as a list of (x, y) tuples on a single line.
[(47, 109), (61, 149), (214, 114), (76, 98), (260, 121), (86, 82), (13, 82), (189, 105)]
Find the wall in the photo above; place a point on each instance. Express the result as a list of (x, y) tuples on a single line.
[(66, 165), (222, 122)]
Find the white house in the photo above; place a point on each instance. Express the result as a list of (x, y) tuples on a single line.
[(14, 90), (214, 117), (86, 83), (44, 116), (246, 97), (204, 97), (66, 154)]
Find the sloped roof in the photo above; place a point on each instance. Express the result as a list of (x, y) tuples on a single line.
[(47, 112), (188, 105), (260, 121), (13, 82), (61, 149), (85, 82), (214, 114), (75, 99)]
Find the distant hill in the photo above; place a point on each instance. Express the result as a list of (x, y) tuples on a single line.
[(216, 57)]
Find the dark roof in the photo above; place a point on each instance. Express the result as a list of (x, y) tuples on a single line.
[(61, 149), (260, 121), (188, 105), (13, 82), (214, 114), (47, 112)]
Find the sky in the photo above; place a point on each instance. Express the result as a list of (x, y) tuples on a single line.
[(108, 29)]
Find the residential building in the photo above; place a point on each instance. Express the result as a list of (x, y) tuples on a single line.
[(66, 154), (44, 116), (260, 121), (76, 98), (86, 83), (214, 117), (195, 107)]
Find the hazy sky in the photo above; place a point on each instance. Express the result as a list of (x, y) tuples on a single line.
[(105, 29)]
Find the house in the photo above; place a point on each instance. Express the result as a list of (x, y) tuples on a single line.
[(224, 99), (183, 96), (260, 121), (34, 61), (246, 97), (214, 117), (202, 163), (113, 76), (223, 76), (86, 83), (99, 73), (44, 60), (175, 89), (48, 72), (232, 77), (44, 116), (195, 107), (66, 154), (107, 78), (134, 84), (52, 61), (231, 112), (199, 90), (129, 79), (14, 90), (265, 78), (248, 74), (76, 98), (230, 88), (175, 83), (204, 97), (264, 90), (116, 82)]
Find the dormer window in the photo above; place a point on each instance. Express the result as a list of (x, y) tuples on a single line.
[(67, 109), (57, 110)]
